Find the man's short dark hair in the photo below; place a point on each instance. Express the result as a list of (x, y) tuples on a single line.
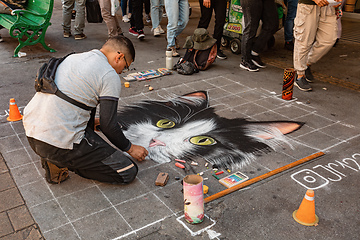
[(122, 44)]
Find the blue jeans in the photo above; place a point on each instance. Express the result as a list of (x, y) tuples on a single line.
[(156, 12), (124, 4), (289, 20), (177, 12)]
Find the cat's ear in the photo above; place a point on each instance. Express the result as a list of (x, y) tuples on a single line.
[(199, 94), (265, 130)]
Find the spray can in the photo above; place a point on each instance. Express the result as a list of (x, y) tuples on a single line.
[(169, 60)]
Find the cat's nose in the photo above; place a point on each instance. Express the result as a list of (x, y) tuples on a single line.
[(155, 142)]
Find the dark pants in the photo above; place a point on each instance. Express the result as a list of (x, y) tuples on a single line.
[(147, 6), (219, 7), (254, 11), (92, 158), (136, 19)]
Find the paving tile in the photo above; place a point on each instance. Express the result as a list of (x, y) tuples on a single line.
[(291, 111), (82, 203), (6, 130), (233, 100), (268, 116), (5, 224), (6, 181), (36, 193), (107, 224), (250, 109), (148, 176), (315, 121), (48, 215), (230, 113), (253, 95), (200, 85), (18, 127), (9, 143), (318, 140), (120, 193), (64, 232), (133, 210), (10, 198), (180, 90), (172, 195), (341, 131), (17, 158), (235, 88), (216, 93), (220, 81), (3, 167), (26, 174), (30, 233), (271, 102), (20, 217), (74, 184)]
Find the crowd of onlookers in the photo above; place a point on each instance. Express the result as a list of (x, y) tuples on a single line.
[(310, 26)]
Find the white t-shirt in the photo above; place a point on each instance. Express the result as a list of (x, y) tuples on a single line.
[(85, 77)]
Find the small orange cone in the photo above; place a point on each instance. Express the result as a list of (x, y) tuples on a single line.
[(14, 113), (305, 215)]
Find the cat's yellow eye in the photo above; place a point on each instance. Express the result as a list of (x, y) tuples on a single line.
[(165, 123), (202, 140)]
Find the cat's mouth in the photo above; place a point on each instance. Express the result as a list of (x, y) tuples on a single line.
[(155, 142)]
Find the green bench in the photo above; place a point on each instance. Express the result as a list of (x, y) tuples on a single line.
[(29, 26)]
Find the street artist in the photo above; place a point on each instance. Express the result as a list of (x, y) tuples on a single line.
[(63, 135)]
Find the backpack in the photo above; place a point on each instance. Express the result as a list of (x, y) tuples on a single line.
[(45, 81), (200, 59)]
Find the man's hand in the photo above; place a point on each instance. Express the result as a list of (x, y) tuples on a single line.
[(321, 3), (138, 152), (207, 3)]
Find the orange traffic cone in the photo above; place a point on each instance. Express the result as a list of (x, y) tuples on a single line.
[(14, 113), (305, 215)]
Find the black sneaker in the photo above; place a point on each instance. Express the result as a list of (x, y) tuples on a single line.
[(257, 61), (141, 34), (302, 84), (248, 65), (308, 75), (289, 45), (220, 54)]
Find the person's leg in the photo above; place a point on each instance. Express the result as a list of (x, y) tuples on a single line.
[(111, 21), (289, 20), (206, 14), (183, 16), (220, 15), (252, 13), (68, 6), (325, 36), (136, 16), (123, 5), (172, 11), (147, 6), (92, 158), (156, 13), (270, 20), (79, 17)]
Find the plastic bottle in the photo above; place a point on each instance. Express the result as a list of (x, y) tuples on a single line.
[(169, 60)]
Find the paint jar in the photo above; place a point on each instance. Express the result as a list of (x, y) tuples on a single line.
[(193, 199), (126, 84), (288, 83), (169, 60)]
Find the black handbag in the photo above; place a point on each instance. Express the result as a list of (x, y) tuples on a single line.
[(93, 12), (45, 81)]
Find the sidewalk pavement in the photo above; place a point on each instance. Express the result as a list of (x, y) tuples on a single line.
[(84, 209)]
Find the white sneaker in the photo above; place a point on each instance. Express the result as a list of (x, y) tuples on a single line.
[(125, 19), (161, 30), (157, 31)]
